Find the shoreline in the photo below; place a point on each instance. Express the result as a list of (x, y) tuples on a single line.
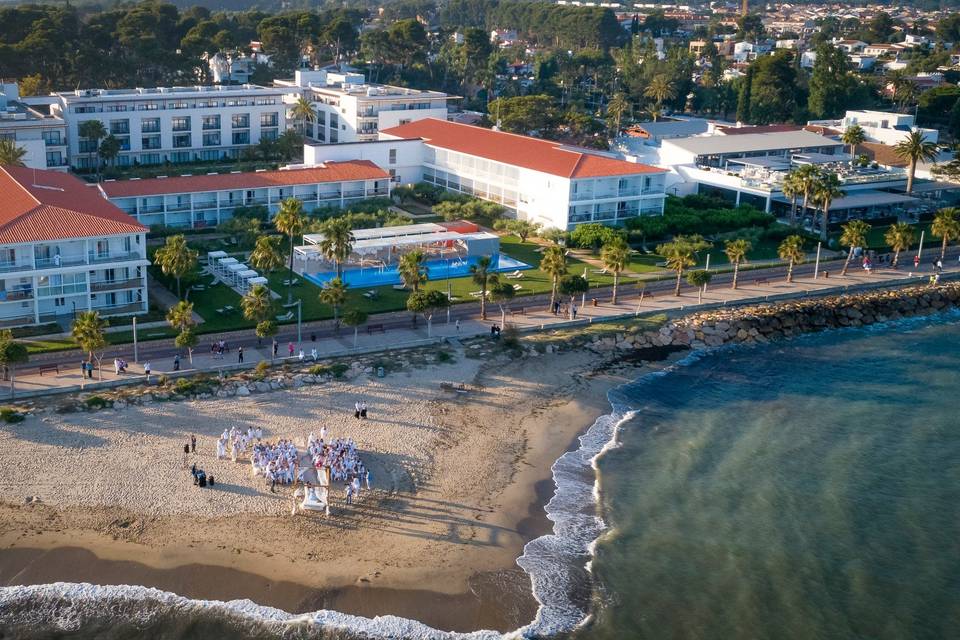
[(487, 587)]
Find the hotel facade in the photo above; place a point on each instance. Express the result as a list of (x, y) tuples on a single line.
[(64, 249)]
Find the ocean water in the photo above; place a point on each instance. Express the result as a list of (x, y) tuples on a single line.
[(808, 489)]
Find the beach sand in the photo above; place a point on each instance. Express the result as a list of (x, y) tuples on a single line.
[(459, 485)]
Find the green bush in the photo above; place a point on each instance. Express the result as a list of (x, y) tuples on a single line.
[(444, 356), (262, 367), (319, 370), (338, 369), (97, 402), (193, 386), (11, 415)]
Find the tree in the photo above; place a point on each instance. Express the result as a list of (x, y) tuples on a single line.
[(618, 106), (523, 229), (832, 86), (854, 135), (615, 256), (773, 93), (678, 255), (267, 255), (791, 250), (176, 258), (180, 317), (413, 273), (266, 329), (946, 226), (792, 188), (807, 177), (500, 292), (88, 332), (737, 251), (12, 353), (660, 90), (572, 286), (592, 235), (354, 318), (187, 339), (914, 148), (481, 275), (854, 235), (825, 191), (257, 304), (302, 110), (427, 303), (554, 264), (743, 95), (523, 114), (899, 236), (334, 293), (699, 279), (337, 242), (290, 221), (109, 149), (94, 132), (10, 154)]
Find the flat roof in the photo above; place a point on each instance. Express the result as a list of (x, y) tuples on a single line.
[(535, 154), (784, 140), (866, 198), (384, 232), (140, 93)]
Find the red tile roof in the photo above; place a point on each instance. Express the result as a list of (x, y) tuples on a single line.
[(522, 151), (39, 206), (328, 172)]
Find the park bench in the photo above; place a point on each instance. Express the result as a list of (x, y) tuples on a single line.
[(375, 327), (518, 312), (46, 368), (760, 281)]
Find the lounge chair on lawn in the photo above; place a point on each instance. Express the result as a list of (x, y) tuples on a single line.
[(516, 275), (517, 287)]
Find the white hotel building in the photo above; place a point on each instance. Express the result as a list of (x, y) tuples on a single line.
[(43, 137), (171, 124), (348, 109), (538, 180), (64, 249)]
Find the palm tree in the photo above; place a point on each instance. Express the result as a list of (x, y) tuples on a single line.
[(699, 279), (290, 221), (267, 254), (619, 105), (88, 332), (176, 258), (12, 353), (337, 242), (854, 136), (10, 154), (791, 250), (354, 318), (854, 235), (302, 110), (899, 236), (554, 264), (615, 256), (792, 188), (412, 271), (93, 131), (737, 251), (180, 317), (914, 148), (257, 305), (946, 226), (807, 177), (660, 90), (482, 276), (334, 293), (826, 190), (678, 255)]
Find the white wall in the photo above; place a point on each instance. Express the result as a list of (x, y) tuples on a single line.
[(409, 156), (388, 119)]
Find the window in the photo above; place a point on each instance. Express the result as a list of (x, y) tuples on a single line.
[(181, 140), (181, 123), (334, 136), (321, 118), (180, 156), (266, 101), (124, 143), (405, 121), (85, 109), (52, 138), (211, 140), (393, 156), (210, 155), (240, 120), (88, 146), (178, 105), (269, 134), (268, 120), (150, 125), (149, 106), (150, 142), (334, 121), (241, 137), (150, 158), (211, 122), (119, 127), (54, 159)]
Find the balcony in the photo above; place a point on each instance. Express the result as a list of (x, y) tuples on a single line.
[(250, 201), (354, 193), (178, 207), (59, 261), (330, 196), (62, 290), (17, 321), (16, 295), (378, 192), (116, 309), (113, 285), (151, 208), (54, 142), (113, 256), (6, 267)]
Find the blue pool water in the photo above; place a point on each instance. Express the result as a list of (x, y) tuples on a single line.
[(436, 270)]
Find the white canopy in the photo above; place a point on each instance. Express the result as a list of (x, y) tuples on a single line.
[(238, 267), (257, 280), (249, 273)]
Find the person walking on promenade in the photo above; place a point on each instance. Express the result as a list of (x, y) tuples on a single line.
[(240, 354)]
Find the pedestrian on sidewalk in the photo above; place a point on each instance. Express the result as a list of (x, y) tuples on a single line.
[(146, 370), (240, 354), (90, 370), (458, 325), (290, 349), (276, 348), (193, 443), (176, 362)]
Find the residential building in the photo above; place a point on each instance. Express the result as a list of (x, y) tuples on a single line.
[(880, 126), (348, 109), (207, 200), (64, 249), (172, 124), (42, 136), (537, 180)]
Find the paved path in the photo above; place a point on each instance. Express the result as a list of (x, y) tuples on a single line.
[(392, 330)]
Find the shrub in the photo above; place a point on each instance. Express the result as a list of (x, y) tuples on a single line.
[(193, 386), (163, 380), (262, 367), (11, 415), (97, 402), (338, 369), (444, 356), (510, 338), (319, 370)]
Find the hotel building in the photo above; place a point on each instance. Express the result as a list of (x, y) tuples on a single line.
[(64, 249), (42, 136)]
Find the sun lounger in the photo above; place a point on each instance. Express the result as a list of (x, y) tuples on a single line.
[(399, 287), (516, 275), (289, 283), (517, 287)]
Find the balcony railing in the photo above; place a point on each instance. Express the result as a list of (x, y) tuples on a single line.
[(113, 309), (14, 295), (62, 290), (250, 201), (353, 193), (330, 196), (59, 261), (112, 285), (151, 208), (17, 321), (6, 267), (179, 207), (113, 256)]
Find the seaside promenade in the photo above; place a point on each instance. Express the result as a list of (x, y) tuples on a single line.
[(59, 372)]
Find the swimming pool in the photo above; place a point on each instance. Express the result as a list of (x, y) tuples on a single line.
[(436, 270)]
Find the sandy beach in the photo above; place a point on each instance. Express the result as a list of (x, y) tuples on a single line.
[(459, 481)]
